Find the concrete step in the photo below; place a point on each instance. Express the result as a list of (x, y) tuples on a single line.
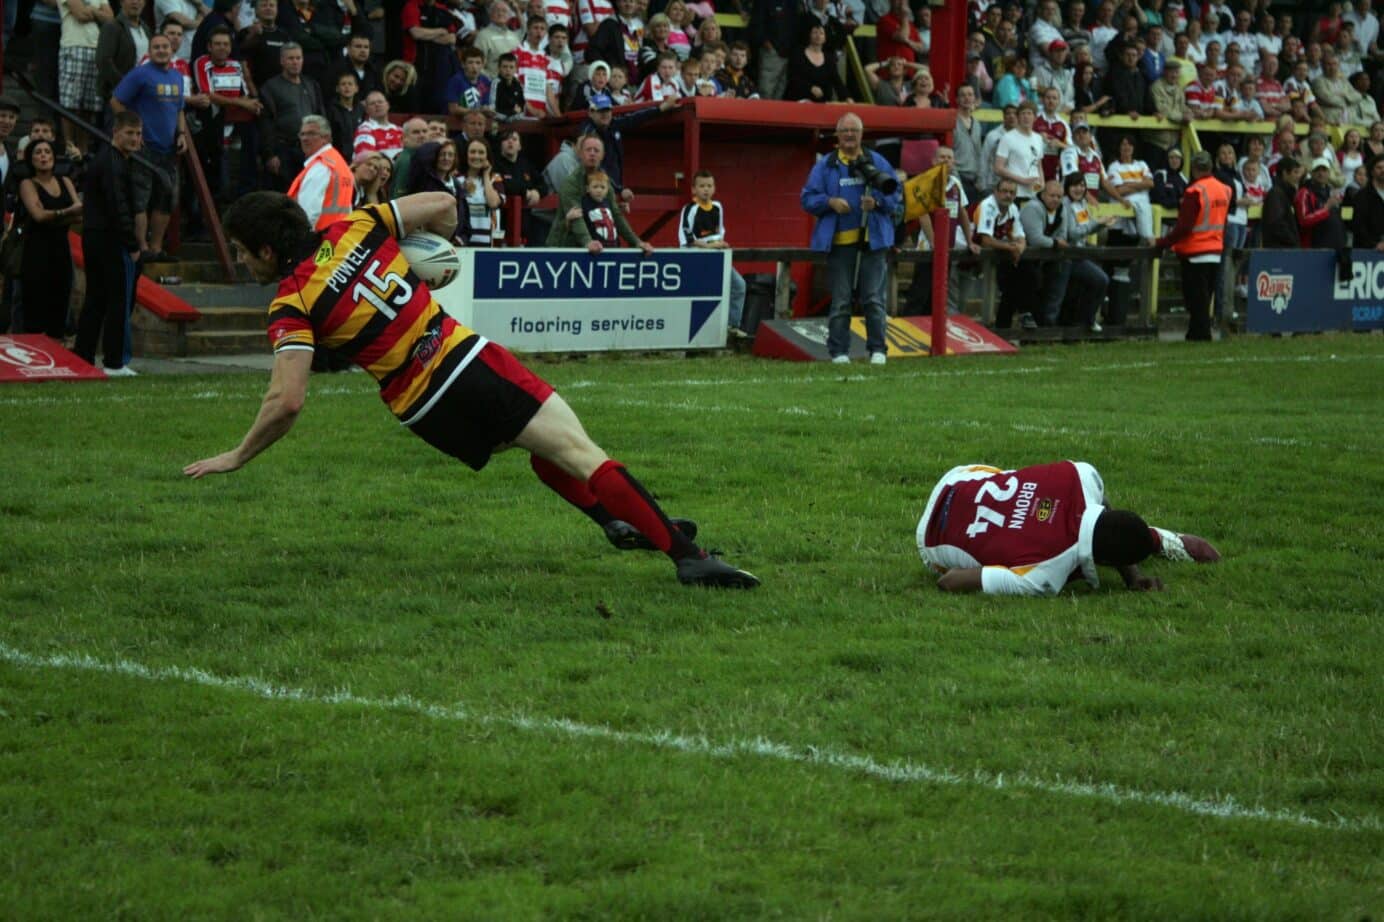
[(225, 342), (207, 295), (193, 271), (235, 319)]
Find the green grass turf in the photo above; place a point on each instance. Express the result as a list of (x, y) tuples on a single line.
[(507, 746)]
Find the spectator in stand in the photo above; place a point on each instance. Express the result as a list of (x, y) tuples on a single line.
[(371, 174), (968, 138), (1318, 208), (957, 203), (262, 41), (345, 113), (223, 80), (122, 43), (1046, 29), (773, 32), (377, 132), (1352, 152), (1169, 102), (735, 76), (977, 75), (223, 14), (1367, 221), (415, 135), (655, 43), (1359, 182), (590, 14), (79, 86), (1374, 144), (1084, 157), (1270, 91), (325, 188), (1001, 48), (1132, 180), (1319, 149), (1014, 87), (590, 152), (497, 38), (316, 26), (1126, 86), (1366, 111), (985, 171), (998, 228), (662, 83), (400, 79), (684, 32), (434, 169), (618, 89), (601, 122), (1255, 177), (597, 82), (1340, 102), (1243, 104), (1245, 39), (51, 204), (1328, 25), (892, 88), (812, 72), (1299, 91), (618, 38), (450, 26), (187, 13), (1103, 31), (1315, 57), (508, 92), (524, 182), (1278, 220), (358, 64), (709, 32), (599, 222), (1348, 51), (922, 92), (1170, 182), (154, 91), (1019, 156), (287, 99), (1074, 31), (1237, 218), (896, 36), (1043, 219), (532, 67), (1056, 133), (470, 89), (111, 248), (1198, 240), (437, 129), (1204, 101), (1088, 100), (1181, 60), (1052, 71)]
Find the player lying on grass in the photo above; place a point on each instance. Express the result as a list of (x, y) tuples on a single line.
[(1027, 532), (349, 288)]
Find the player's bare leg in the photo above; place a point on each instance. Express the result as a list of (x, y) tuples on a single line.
[(561, 447)]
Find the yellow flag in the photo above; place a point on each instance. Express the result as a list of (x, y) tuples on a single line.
[(925, 192)]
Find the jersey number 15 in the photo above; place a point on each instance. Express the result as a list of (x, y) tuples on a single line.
[(378, 293)]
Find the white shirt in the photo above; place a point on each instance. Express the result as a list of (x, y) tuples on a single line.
[(1366, 27), (997, 222), (186, 8), (1022, 155)]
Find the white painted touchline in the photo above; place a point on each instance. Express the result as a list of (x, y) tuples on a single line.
[(1224, 807)]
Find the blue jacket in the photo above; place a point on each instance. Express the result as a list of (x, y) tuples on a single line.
[(831, 178)]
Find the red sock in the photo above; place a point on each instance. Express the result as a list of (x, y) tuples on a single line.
[(570, 489), (626, 499)]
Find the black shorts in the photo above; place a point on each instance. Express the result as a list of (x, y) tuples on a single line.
[(488, 405), (156, 193)]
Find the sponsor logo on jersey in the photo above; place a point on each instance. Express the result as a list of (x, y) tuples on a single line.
[(324, 252), (1045, 509), (1276, 289)]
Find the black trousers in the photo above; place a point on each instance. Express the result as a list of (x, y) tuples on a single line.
[(1198, 286), (1018, 287), (110, 286)]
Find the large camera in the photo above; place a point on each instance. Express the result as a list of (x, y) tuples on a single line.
[(883, 180)]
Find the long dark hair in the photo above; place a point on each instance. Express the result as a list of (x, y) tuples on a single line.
[(270, 219)]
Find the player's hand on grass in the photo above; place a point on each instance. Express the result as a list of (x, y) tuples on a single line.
[(223, 463)]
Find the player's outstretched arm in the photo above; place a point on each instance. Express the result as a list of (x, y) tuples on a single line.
[(960, 579), (430, 211), (1135, 579), (288, 387)]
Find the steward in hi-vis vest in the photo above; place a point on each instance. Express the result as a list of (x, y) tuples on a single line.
[(326, 188), (1198, 239)]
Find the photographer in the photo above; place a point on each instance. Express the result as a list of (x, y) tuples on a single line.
[(853, 194)]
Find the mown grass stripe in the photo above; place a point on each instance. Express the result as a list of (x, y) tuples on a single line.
[(1222, 807)]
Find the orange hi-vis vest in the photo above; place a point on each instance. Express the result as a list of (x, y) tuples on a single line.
[(341, 187), (1208, 234)]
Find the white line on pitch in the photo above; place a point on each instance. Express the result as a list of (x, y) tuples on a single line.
[(1223, 807)]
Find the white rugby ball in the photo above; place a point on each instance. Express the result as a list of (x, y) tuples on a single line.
[(432, 258)]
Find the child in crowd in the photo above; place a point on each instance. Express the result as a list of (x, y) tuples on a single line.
[(619, 86), (470, 89), (597, 82), (508, 91), (598, 222), (662, 83), (687, 80), (702, 225)]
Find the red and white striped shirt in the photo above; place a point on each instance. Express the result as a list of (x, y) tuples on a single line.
[(385, 137), (1202, 100), (533, 75), (656, 89), (224, 79), (589, 12)]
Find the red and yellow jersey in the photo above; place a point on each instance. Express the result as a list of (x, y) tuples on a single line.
[(357, 296)]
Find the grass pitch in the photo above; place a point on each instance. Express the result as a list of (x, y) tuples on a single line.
[(354, 680)]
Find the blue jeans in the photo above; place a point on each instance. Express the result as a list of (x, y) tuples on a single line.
[(737, 299), (1083, 280), (851, 271)]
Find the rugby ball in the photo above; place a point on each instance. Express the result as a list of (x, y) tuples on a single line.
[(432, 259)]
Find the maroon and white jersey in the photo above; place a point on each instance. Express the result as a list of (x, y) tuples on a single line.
[(1085, 162), (997, 222), (1270, 93), (1057, 134), (1028, 530)]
